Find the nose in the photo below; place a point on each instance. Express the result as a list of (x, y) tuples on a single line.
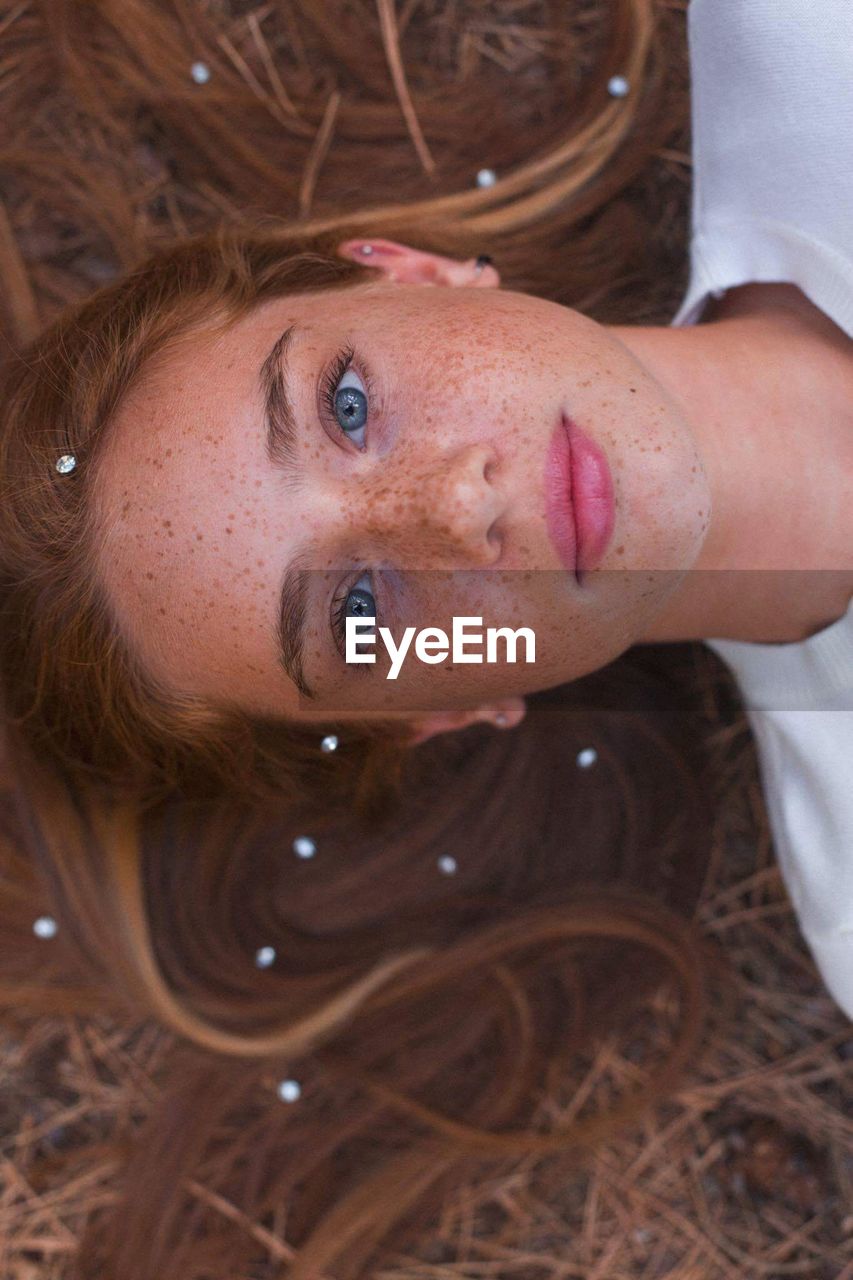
[(443, 512)]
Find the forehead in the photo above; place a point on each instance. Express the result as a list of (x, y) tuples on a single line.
[(181, 504)]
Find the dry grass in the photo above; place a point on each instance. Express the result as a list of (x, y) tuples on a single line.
[(746, 1174)]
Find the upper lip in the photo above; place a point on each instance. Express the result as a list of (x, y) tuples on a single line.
[(559, 508)]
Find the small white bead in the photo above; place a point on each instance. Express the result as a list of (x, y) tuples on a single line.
[(588, 756), (45, 927), (329, 743), (304, 846), (289, 1090), (486, 178), (447, 864), (66, 463), (617, 86), (264, 957), (200, 72), (366, 248)]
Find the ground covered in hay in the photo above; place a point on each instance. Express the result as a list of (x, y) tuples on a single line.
[(747, 1174)]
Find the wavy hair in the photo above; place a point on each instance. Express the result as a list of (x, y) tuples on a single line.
[(421, 1014)]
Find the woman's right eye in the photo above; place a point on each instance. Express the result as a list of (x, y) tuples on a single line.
[(358, 601)]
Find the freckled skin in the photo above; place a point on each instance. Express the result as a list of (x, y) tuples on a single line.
[(469, 385)]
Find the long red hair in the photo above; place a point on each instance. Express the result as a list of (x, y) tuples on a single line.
[(420, 1012)]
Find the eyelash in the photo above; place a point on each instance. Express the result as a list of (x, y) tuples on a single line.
[(339, 609), (329, 386)]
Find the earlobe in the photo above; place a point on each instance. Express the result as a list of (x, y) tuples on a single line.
[(407, 265), (505, 713), (436, 722)]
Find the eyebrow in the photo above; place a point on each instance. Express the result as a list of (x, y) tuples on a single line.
[(278, 403), (281, 450)]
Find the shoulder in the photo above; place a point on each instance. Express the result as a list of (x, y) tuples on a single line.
[(778, 304), (805, 338)]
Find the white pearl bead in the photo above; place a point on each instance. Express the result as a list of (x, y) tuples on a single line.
[(304, 846), (486, 178), (200, 72), (45, 927), (289, 1090), (264, 957), (329, 743), (588, 756), (447, 864), (617, 86)]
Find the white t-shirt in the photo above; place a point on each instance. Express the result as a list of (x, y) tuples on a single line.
[(772, 126)]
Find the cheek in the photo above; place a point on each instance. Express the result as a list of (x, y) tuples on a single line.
[(661, 485), (536, 600)]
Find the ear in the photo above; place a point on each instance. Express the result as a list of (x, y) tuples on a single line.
[(506, 713), (402, 263)]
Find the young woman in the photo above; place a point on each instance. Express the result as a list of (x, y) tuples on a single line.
[(267, 427)]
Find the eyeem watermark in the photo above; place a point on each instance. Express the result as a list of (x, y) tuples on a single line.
[(432, 644)]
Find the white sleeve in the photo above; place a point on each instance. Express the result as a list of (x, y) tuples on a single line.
[(806, 764), (771, 85), (771, 92)]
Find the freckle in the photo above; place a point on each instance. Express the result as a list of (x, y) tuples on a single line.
[(199, 537), (149, 574), (227, 530), (162, 610), (167, 524), (633, 388)]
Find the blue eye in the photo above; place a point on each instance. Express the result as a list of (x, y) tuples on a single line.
[(358, 601), (346, 405)]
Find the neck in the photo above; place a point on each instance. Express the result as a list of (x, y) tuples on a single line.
[(766, 396)]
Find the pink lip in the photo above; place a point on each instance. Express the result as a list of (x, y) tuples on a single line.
[(579, 503)]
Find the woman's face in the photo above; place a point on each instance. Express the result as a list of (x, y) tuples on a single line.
[(418, 491)]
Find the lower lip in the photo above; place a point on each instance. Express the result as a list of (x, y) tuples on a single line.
[(580, 506)]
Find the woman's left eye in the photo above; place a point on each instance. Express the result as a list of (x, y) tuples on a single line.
[(345, 398)]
